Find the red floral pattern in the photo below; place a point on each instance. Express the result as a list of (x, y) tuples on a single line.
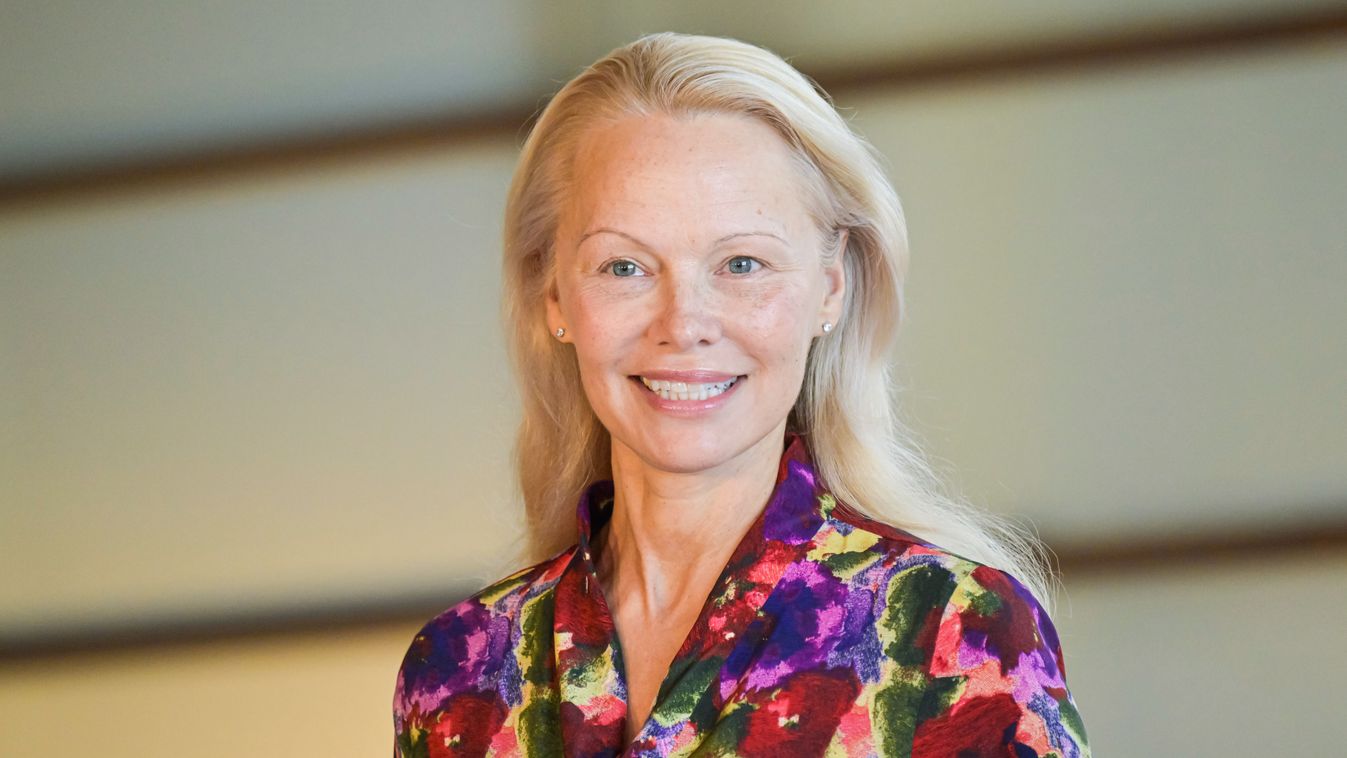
[(827, 633)]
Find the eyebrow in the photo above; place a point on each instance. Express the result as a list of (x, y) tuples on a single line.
[(722, 240)]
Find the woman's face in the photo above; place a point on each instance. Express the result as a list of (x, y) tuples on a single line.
[(690, 279)]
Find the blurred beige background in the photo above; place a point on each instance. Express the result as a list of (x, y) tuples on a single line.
[(255, 416)]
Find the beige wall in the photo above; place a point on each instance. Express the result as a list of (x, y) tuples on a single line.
[(1237, 658), (1231, 659), (245, 393), (287, 390), (315, 695)]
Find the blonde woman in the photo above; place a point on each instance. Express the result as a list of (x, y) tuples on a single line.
[(738, 552)]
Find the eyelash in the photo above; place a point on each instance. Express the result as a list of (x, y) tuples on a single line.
[(759, 264), (608, 267)]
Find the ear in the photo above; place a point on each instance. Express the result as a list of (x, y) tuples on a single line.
[(555, 320), (835, 273)]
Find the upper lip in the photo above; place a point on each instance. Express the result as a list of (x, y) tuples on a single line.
[(697, 376)]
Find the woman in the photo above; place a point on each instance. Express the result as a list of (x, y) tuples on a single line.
[(703, 271)]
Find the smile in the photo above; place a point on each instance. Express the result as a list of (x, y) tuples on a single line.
[(669, 390)]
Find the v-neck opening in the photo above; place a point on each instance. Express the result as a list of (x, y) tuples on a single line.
[(850, 621), (791, 517)]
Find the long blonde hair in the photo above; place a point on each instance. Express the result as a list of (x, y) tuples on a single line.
[(861, 449)]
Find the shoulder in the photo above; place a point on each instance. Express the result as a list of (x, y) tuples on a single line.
[(978, 637), (906, 569), (955, 597), (469, 646), (997, 675)]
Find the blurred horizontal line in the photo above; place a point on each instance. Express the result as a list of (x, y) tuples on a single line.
[(1176, 551), (1148, 45), (214, 164), (226, 626), (1143, 45), (1094, 560)]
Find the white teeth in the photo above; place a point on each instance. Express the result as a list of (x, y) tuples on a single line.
[(684, 391)]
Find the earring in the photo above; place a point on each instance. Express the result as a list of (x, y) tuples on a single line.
[(827, 327), (560, 332)]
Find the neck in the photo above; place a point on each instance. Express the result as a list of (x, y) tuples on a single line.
[(672, 533)]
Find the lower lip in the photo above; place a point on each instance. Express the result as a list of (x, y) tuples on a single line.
[(687, 407)]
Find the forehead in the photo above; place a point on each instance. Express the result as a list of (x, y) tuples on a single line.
[(712, 171)]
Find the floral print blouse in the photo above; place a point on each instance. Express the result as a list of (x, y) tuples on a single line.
[(826, 634)]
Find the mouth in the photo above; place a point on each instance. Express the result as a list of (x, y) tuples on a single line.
[(671, 390)]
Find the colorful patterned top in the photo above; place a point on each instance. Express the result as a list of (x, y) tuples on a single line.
[(827, 634)]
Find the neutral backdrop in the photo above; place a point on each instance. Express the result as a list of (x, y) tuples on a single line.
[(255, 414)]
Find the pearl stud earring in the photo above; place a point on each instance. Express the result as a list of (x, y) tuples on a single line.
[(560, 332), (827, 327)]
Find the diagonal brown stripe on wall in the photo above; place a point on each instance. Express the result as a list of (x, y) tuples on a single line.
[(1085, 560), (1148, 45)]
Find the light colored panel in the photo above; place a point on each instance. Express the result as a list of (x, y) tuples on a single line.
[(320, 695), (86, 81), (278, 392), (290, 390), (847, 32), (1237, 659), (1126, 289)]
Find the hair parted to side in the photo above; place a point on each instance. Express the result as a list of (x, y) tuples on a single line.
[(862, 451)]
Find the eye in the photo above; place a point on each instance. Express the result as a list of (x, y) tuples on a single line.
[(624, 268), (742, 264)]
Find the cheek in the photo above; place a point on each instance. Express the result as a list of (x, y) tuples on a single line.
[(600, 319), (594, 304), (774, 320), (602, 302), (596, 354)]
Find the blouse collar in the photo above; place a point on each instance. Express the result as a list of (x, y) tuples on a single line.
[(792, 514), (587, 654)]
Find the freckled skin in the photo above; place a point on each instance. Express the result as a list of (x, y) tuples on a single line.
[(672, 201)]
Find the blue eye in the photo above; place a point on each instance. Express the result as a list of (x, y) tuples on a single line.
[(742, 264), (624, 268)]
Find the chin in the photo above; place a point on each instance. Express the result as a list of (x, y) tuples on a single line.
[(696, 451), (687, 464)]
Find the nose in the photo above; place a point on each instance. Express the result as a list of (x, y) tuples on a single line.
[(689, 314)]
